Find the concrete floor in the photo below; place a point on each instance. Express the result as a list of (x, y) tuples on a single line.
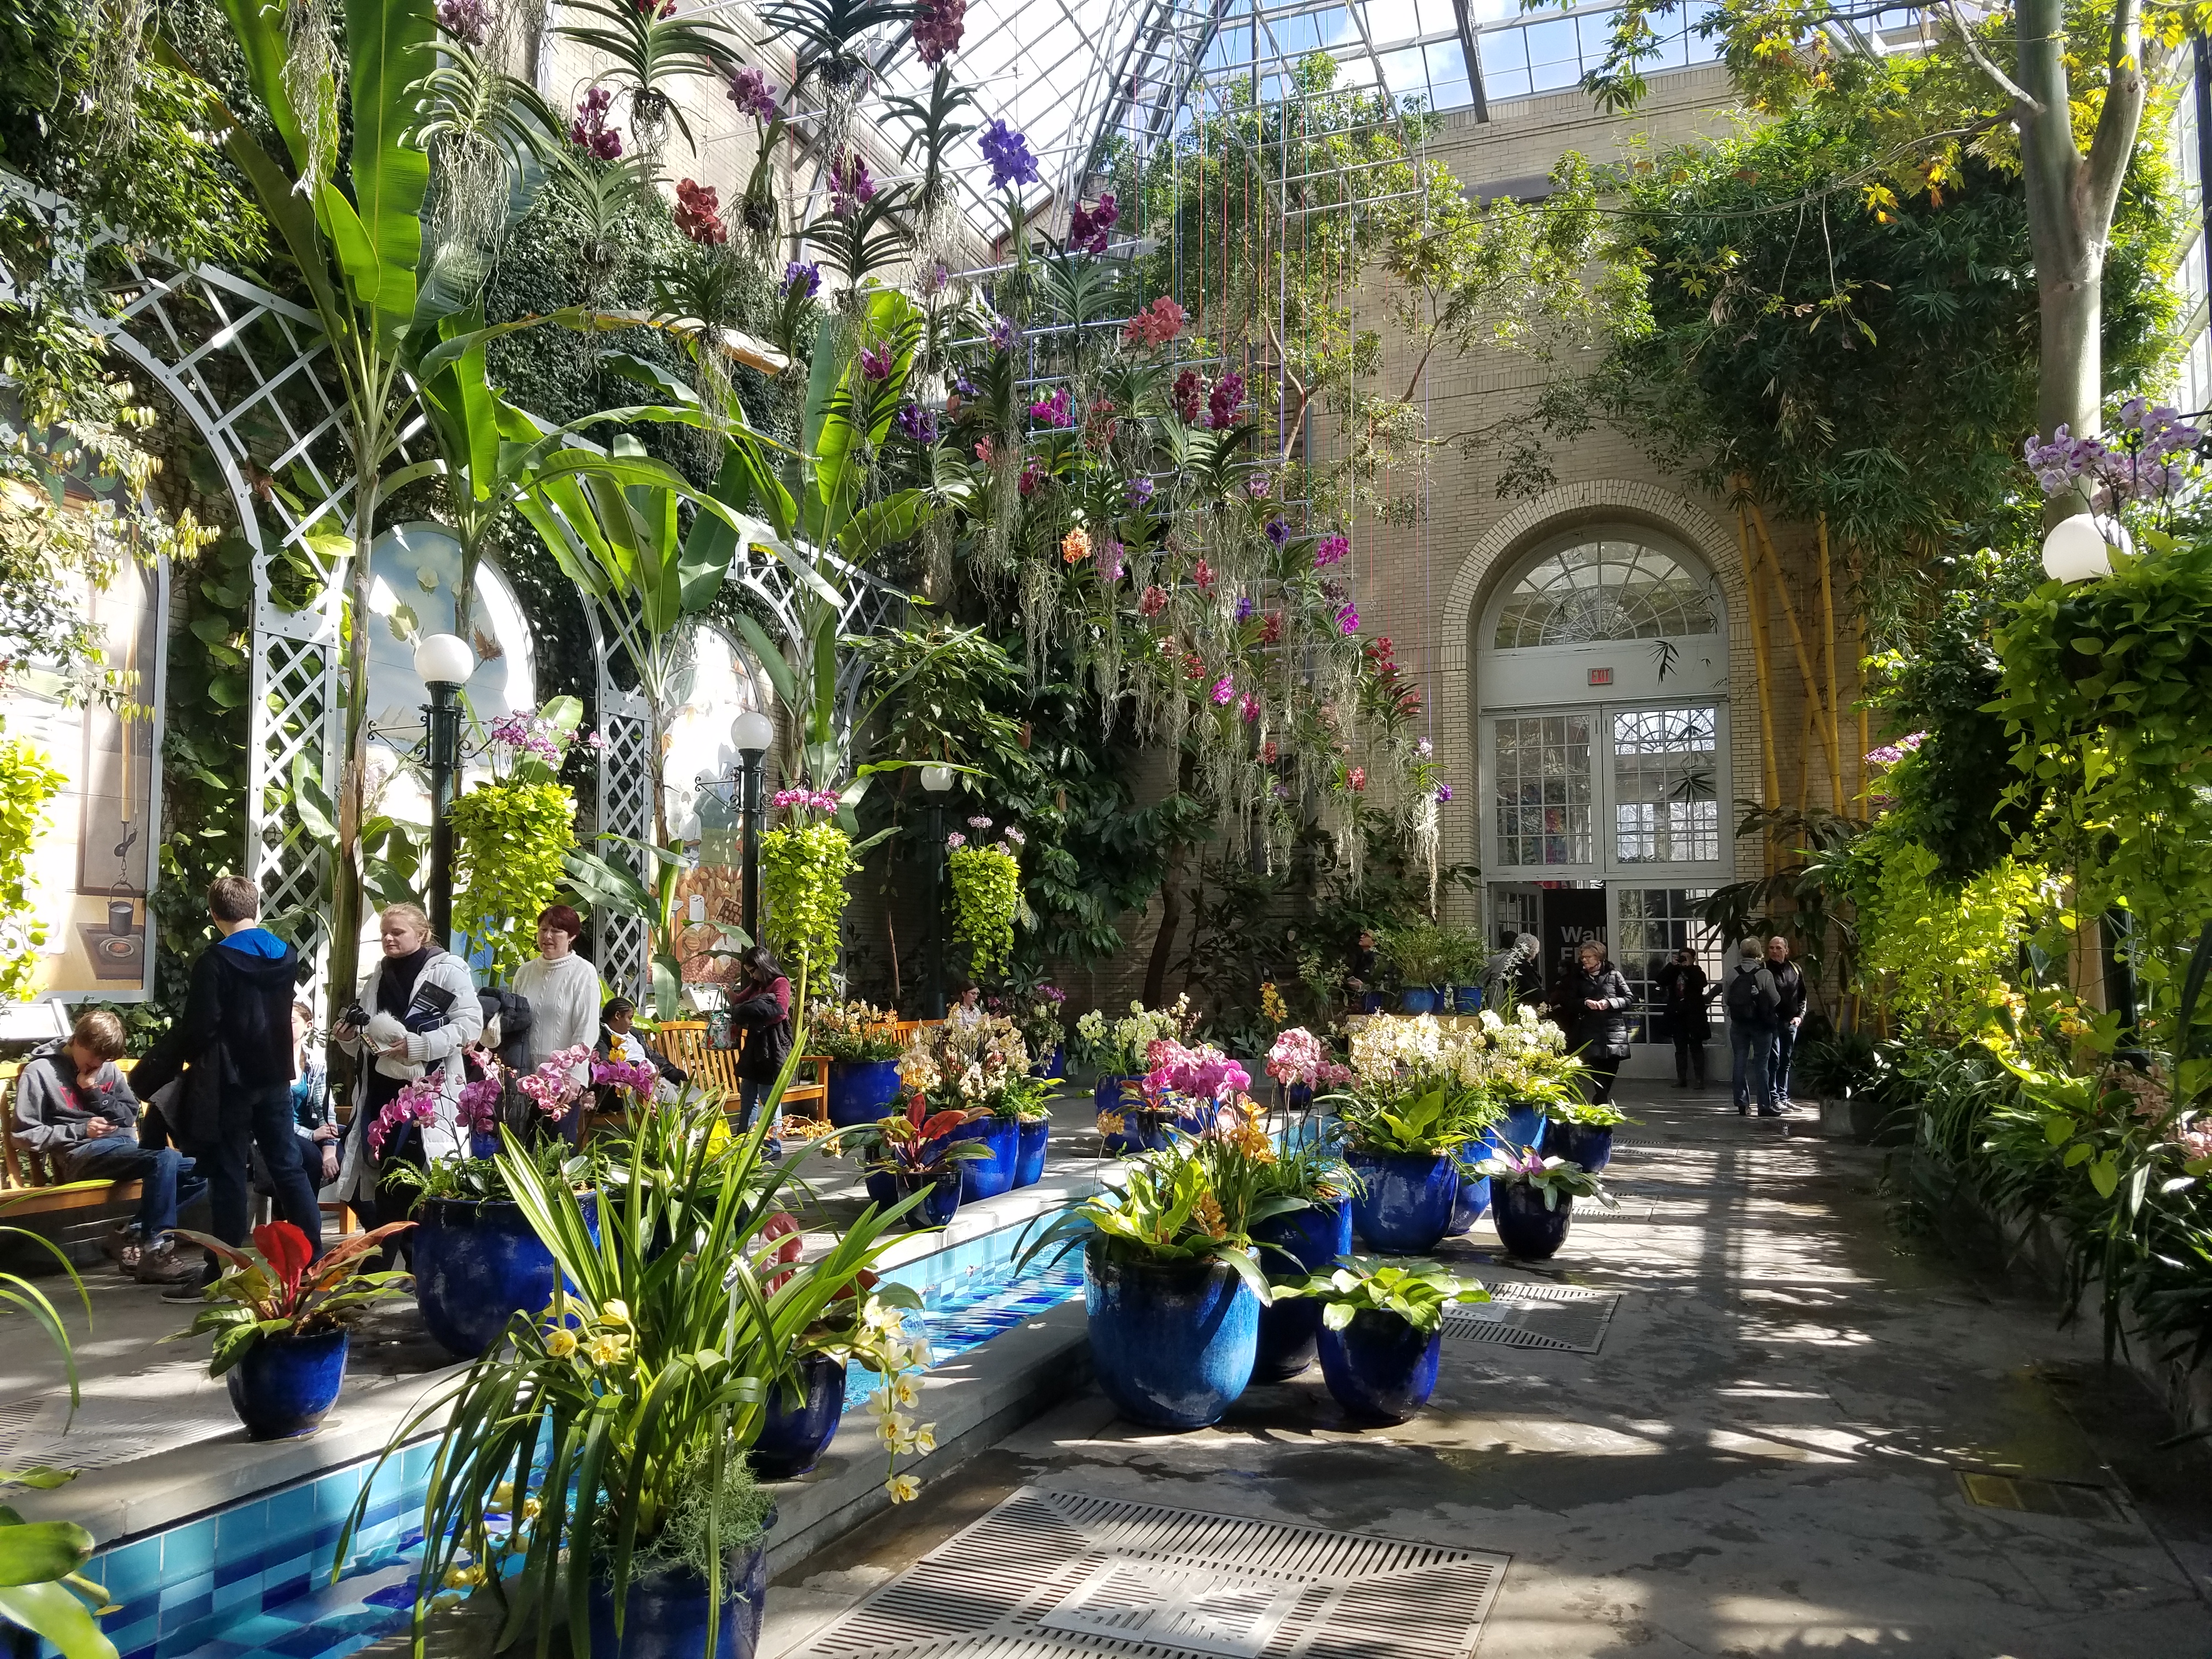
[(1764, 1457)]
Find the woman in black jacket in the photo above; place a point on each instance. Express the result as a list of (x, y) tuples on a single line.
[(761, 1012), (1595, 996)]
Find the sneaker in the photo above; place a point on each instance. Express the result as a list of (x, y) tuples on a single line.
[(1770, 1111), (165, 1265), (122, 1248)]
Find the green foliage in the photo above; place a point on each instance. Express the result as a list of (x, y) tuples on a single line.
[(806, 874), (273, 1292), (1193, 1200), (1937, 955), (1554, 1177), (28, 782), (510, 841), (1437, 1119), (986, 890), (1416, 1292), (2103, 700)]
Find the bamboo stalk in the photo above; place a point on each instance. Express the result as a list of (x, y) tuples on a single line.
[(1804, 656), (1760, 657), (1835, 703)]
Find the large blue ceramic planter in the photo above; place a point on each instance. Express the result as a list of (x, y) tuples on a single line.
[(987, 1177), (1379, 1368), (1407, 1203), (886, 1189), (793, 1434), (1173, 1344), (1524, 1126), (478, 1264), (861, 1091), (1315, 1237), (1586, 1144), (1418, 1000), (286, 1385), (1467, 999), (1031, 1142), (1106, 1093), (1469, 1202), (665, 1615), (1525, 1227), (1053, 1066), (1370, 1002)]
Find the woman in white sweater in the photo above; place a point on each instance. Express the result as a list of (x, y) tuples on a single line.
[(564, 993)]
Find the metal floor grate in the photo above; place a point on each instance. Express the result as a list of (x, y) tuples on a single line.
[(1565, 1318), (2072, 1499), (1048, 1574)]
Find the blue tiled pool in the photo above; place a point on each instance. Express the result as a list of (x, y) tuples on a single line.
[(251, 1581)]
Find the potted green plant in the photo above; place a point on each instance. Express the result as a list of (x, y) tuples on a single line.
[(915, 1151), (1419, 957), (1846, 1072), (1298, 1241), (980, 1067), (1119, 1050), (864, 1324), (612, 1425), (279, 1313), (1382, 1331), (1580, 1131), (1533, 1199), (1464, 954), (864, 1046), (1526, 1068), (1171, 1287)]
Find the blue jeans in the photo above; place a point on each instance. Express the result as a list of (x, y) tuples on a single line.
[(260, 1119), (167, 1179), (1752, 1048), (1777, 1064)]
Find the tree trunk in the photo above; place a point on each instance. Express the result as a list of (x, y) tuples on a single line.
[(353, 780), (1156, 970)]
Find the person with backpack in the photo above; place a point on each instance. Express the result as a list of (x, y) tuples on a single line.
[(233, 1047), (1754, 1006), (761, 1009), (1789, 988)]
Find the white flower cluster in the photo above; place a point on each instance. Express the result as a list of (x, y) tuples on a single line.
[(1407, 1052), (976, 1059), (1121, 1046)]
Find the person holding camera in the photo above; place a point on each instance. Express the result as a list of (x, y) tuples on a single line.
[(417, 1010)]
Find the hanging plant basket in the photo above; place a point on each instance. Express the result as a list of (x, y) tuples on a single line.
[(804, 870), (987, 891)]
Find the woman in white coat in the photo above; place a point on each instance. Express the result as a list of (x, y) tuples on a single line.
[(564, 993), (417, 1010)]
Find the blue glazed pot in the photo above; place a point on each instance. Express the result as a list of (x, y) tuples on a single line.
[(484, 1146), (1525, 1227), (1418, 1000), (1524, 1125), (1407, 1203), (792, 1436), (1370, 1002), (1106, 1093), (286, 1385), (476, 1264), (1054, 1064), (1587, 1145), (1032, 1141), (1469, 1202), (1173, 1343), (987, 1177), (1315, 1237), (665, 1615), (861, 1091), (1467, 999), (1380, 1368), (886, 1189)]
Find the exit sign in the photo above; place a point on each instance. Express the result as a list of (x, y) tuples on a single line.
[(1600, 677)]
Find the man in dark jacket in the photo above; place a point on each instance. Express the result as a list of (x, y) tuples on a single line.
[(1685, 990), (1751, 1001), (233, 1044), (1789, 1015)]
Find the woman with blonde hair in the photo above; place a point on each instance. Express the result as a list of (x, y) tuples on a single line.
[(416, 1010)]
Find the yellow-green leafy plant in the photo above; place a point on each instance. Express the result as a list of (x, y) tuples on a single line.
[(806, 867), (28, 782), (987, 894), (509, 842)]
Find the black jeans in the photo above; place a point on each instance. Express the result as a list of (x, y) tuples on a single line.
[(1601, 1070), (260, 1119), (1690, 1059)]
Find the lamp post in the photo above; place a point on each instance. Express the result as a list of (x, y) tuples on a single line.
[(753, 732), (444, 663), (935, 780)]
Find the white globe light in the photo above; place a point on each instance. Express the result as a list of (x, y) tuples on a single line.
[(444, 659), (937, 779), (753, 732), (2079, 549)]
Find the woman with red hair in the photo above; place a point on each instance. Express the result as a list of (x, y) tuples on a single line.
[(563, 988)]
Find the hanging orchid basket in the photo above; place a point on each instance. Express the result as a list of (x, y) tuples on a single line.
[(986, 893)]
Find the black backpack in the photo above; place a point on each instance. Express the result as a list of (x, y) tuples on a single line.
[(1751, 998)]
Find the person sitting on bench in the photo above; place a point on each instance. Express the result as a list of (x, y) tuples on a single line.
[(75, 1109)]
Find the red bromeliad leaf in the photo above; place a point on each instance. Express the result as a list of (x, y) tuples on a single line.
[(783, 1225), (288, 1252), (943, 1124), (343, 1260), (916, 1108)]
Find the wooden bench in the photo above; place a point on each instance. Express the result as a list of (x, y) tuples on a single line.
[(715, 1070), (33, 1187)]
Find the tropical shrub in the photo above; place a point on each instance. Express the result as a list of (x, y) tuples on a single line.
[(987, 895), (804, 871), (510, 841), (28, 782)]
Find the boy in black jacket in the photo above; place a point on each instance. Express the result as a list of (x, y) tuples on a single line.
[(233, 1044)]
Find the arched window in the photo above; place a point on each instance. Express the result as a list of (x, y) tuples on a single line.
[(1609, 587)]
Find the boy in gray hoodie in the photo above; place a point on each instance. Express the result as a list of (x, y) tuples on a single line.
[(75, 1107)]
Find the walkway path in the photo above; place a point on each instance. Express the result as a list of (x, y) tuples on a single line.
[(1775, 1449)]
